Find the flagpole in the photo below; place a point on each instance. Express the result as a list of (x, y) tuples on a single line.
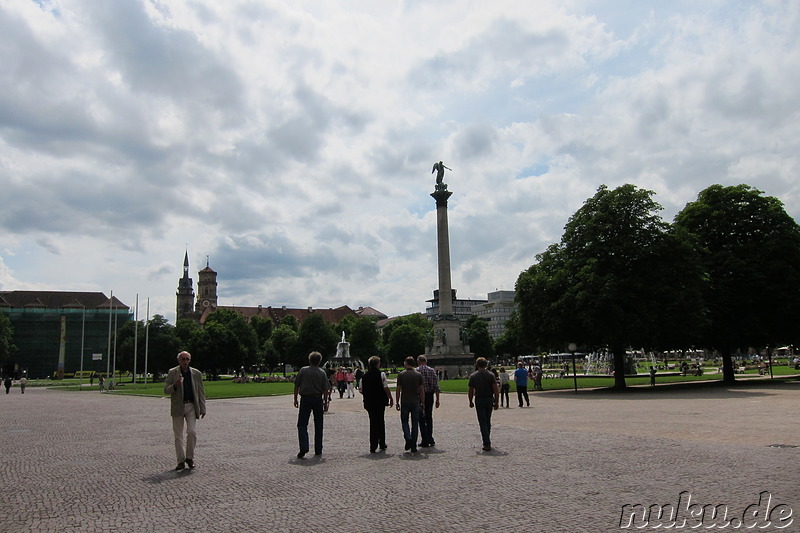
[(135, 337), (146, 341), (108, 353)]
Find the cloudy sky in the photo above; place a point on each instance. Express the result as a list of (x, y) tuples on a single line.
[(291, 142)]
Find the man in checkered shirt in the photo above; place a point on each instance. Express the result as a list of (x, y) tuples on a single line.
[(431, 384)]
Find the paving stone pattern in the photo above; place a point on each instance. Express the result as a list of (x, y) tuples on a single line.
[(102, 462)]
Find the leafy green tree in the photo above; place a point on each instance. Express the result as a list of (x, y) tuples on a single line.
[(163, 345), (7, 347), (315, 335), (347, 324), (187, 332), (262, 327), (606, 285), (284, 344), (243, 351), (291, 321), (416, 320), (750, 250), (364, 338), (478, 337), (271, 357), (405, 340), (511, 342), (213, 348)]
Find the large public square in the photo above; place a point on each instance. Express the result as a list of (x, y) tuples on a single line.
[(86, 461)]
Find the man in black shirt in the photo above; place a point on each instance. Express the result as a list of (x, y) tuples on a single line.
[(483, 388)]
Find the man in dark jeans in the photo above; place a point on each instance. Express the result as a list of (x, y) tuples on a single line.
[(314, 389), (409, 400), (483, 388), (431, 384)]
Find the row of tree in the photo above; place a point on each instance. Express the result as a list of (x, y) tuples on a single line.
[(227, 341), (724, 275)]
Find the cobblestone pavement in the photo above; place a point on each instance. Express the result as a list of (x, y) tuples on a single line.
[(98, 462)]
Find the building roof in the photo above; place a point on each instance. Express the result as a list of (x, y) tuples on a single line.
[(56, 300), (370, 312), (276, 314)]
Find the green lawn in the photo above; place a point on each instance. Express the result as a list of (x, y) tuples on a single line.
[(226, 388), (214, 389)]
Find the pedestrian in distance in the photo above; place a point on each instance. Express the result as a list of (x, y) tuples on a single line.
[(376, 393), (521, 379), (184, 385), (314, 389), (409, 400), (23, 382), (7, 384), (349, 377), (537, 376), (341, 381), (504, 386), (484, 396)]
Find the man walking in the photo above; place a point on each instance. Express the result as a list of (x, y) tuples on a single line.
[(184, 385), (312, 384), (431, 384), (409, 398), (483, 388), (521, 378)]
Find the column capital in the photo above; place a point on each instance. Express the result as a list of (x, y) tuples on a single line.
[(441, 196)]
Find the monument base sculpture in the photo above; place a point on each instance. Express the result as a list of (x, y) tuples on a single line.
[(448, 350)]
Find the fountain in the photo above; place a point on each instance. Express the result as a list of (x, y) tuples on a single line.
[(343, 358)]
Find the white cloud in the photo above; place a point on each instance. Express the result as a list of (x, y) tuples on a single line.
[(292, 141)]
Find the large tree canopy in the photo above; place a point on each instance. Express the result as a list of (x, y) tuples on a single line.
[(618, 278), (750, 249)]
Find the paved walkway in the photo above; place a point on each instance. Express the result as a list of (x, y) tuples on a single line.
[(95, 462)]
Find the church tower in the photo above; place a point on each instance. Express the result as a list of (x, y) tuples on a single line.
[(185, 292), (206, 289)]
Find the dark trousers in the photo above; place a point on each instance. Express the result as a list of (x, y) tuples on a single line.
[(410, 410), (504, 393), (308, 405), (483, 408), (341, 386), (523, 391), (426, 420), (377, 427)]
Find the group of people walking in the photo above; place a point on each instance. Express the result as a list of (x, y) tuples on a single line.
[(416, 396)]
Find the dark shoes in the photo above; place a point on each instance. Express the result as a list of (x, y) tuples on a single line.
[(408, 444), (487, 448), (180, 466), (301, 455), (190, 463)]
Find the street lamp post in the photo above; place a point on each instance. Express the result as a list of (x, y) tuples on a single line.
[(572, 347)]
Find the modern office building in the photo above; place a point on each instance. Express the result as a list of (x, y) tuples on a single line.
[(461, 308), (496, 311)]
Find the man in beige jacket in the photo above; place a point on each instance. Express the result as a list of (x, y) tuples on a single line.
[(187, 403)]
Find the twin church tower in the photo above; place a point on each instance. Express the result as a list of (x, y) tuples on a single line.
[(187, 306)]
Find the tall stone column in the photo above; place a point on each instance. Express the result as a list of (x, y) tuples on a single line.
[(447, 349), (443, 247)]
